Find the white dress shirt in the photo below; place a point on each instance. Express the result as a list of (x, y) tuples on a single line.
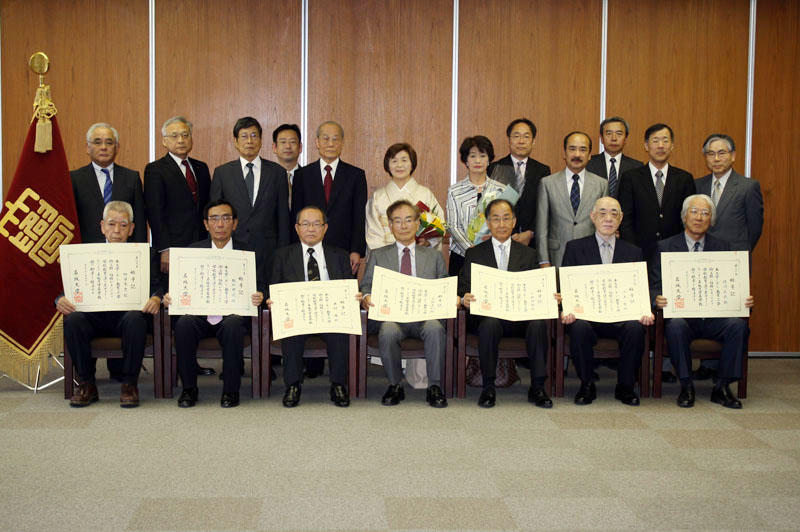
[(498, 252), (101, 177), (256, 173), (568, 178), (319, 256), (412, 251), (333, 164)]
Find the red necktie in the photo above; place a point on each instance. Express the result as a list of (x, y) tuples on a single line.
[(328, 183), (405, 263), (190, 180)]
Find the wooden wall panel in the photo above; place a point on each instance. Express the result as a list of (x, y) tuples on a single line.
[(539, 59), (683, 63), (219, 61), (776, 113), (383, 70), (98, 73)]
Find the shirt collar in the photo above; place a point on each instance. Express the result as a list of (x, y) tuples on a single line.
[(409, 186), (98, 168), (569, 173), (653, 169), (177, 159), (229, 245), (333, 164), (722, 180), (256, 165), (497, 243), (600, 239), (690, 241), (617, 158), (516, 161), (410, 246), (316, 247)]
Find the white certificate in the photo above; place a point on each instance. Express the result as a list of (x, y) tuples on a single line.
[(514, 296), (212, 282), (103, 277), (315, 307), (404, 299), (605, 293), (711, 284)]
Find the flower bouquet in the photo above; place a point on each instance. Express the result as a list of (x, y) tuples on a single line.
[(430, 225), (477, 228)]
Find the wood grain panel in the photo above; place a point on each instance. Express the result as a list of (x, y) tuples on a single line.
[(538, 59), (383, 70), (219, 61), (776, 113), (98, 73), (683, 63)]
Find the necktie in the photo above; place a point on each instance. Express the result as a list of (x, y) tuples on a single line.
[(575, 194), (503, 258), (250, 182), (290, 176), (659, 186), (715, 193), (328, 183), (107, 186), (190, 180), (605, 253), (520, 177), (405, 263), (313, 268), (696, 246), (612, 179)]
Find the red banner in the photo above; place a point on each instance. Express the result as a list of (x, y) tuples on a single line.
[(38, 216)]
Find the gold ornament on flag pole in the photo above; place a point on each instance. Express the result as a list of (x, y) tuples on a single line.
[(43, 107)]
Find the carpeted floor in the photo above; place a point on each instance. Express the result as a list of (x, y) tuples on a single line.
[(262, 467)]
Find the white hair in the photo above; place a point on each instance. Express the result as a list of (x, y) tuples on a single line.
[(175, 120), (708, 200), (119, 206), (101, 124)]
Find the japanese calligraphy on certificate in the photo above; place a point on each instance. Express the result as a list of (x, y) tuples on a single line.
[(103, 277), (217, 282), (605, 293), (315, 307), (711, 284), (404, 299), (514, 296)]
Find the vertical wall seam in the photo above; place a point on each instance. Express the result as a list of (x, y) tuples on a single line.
[(454, 101), (603, 66), (304, 77), (751, 63), (151, 22)]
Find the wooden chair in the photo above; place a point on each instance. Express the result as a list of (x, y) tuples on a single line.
[(509, 348), (315, 348), (605, 348), (701, 348), (210, 348), (409, 348), (111, 347)]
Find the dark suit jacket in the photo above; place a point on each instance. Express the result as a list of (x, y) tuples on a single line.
[(672, 244), (89, 201), (346, 210), (261, 280), (597, 165), (175, 220), (502, 170), (265, 223), (288, 264), (644, 222), (585, 251), (520, 258), (740, 211)]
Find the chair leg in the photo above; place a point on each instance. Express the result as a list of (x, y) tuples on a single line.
[(69, 373)]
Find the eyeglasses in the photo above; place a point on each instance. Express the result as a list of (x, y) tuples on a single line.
[(714, 154), (602, 213), (216, 218), (403, 221), (311, 225), (244, 136), (176, 136), (498, 219), (117, 225), (705, 213), (100, 142)]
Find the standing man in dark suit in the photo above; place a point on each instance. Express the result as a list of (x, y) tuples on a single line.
[(101, 181), (311, 260), (522, 172), (651, 195), (220, 219), (611, 163), (287, 147), (699, 214), (257, 190), (603, 247), (505, 254)]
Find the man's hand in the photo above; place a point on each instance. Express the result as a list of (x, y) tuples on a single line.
[(661, 301), (152, 305), (65, 306), (749, 302), (269, 304), (366, 302), (557, 297), (523, 237), (467, 299), (458, 302), (167, 300), (165, 261), (257, 298), (355, 260), (359, 297), (647, 320), (567, 319), (545, 265)]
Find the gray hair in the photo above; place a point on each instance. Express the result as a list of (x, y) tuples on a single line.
[(101, 124), (119, 206), (331, 123), (719, 136), (708, 200), (175, 120)]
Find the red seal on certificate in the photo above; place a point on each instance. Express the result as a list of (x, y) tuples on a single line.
[(78, 297), (386, 310), (486, 306), (186, 300), (578, 310), (288, 324), (679, 302)]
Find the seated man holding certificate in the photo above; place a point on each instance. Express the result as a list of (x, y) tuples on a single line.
[(311, 260), (80, 327), (698, 215), (604, 248), (220, 220), (505, 254), (406, 257)]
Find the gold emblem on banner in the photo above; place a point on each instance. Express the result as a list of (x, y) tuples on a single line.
[(43, 107)]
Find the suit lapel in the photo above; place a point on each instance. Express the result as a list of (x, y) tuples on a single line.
[(728, 192), (264, 184), (241, 189), (296, 262), (589, 191), (561, 191), (339, 183)]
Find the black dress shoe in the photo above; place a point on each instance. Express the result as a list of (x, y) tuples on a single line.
[(339, 395), (487, 398), (435, 397), (205, 371), (724, 396), (188, 398), (586, 394), (626, 395), (291, 396), (229, 400), (539, 397), (703, 373), (686, 397), (394, 394), (668, 377)]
